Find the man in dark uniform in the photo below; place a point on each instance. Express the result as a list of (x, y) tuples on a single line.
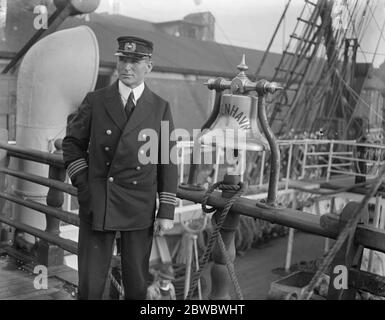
[(103, 151)]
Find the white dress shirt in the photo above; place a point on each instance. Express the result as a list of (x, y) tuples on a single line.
[(125, 91)]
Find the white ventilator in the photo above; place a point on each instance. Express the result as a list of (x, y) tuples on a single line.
[(54, 77)]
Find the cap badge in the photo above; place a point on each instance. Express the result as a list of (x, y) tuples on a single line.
[(130, 47)]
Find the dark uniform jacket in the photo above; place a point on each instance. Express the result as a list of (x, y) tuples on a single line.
[(101, 153)]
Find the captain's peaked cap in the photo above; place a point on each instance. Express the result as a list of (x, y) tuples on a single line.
[(134, 47)]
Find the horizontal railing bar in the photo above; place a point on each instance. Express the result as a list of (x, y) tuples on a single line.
[(316, 166), (33, 155), (341, 164), (62, 186), (65, 216), (317, 153), (326, 153), (316, 141), (66, 244), (353, 173), (369, 237), (365, 145), (358, 159), (257, 189), (288, 217)]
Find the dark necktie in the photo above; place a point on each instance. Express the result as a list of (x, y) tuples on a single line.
[(130, 106)]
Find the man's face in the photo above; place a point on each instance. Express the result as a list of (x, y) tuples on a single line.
[(132, 71)]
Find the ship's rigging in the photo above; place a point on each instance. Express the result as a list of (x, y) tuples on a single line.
[(319, 69)]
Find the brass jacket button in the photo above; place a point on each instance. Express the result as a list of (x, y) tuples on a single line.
[(135, 182), (107, 149), (138, 168), (109, 132), (111, 179)]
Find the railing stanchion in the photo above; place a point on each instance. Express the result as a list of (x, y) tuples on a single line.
[(304, 160), (262, 168), (330, 161), (288, 169), (290, 240), (49, 254), (4, 159)]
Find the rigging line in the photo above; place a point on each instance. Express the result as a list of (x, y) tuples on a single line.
[(339, 38), (356, 33), (326, 75), (377, 24), (301, 47), (283, 16), (360, 37), (337, 97), (363, 17), (374, 53), (352, 19), (331, 65), (281, 62), (358, 97), (378, 42), (368, 19), (363, 53), (365, 21)]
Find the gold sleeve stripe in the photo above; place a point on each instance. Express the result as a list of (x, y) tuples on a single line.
[(76, 166)]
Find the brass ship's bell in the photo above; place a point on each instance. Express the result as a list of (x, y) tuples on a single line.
[(236, 125)]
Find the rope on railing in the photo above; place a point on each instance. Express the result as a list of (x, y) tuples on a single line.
[(230, 268), (240, 190)]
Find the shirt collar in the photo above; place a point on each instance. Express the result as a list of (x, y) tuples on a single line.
[(125, 92)]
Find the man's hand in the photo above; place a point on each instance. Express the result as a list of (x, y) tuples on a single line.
[(162, 225)]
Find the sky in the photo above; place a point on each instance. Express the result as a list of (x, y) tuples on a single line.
[(246, 23)]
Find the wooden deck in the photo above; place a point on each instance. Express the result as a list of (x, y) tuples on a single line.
[(17, 283), (255, 270)]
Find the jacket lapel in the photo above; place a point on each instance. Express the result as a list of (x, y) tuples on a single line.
[(114, 106), (143, 109)]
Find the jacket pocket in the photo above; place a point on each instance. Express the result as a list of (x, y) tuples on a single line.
[(84, 194)]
